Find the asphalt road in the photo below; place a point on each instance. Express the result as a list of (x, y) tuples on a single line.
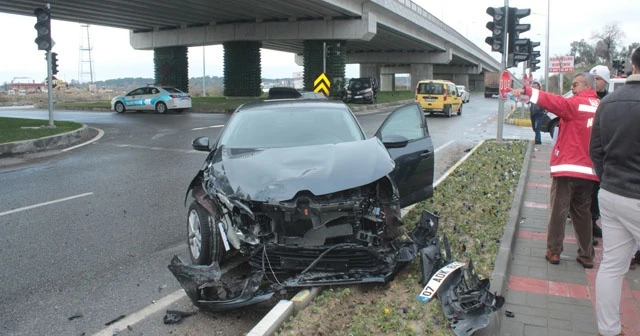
[(86, 235)]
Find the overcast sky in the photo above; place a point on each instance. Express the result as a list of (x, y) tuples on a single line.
[(113, 56)]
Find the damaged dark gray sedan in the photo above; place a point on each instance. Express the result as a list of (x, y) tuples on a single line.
[(297, 189)]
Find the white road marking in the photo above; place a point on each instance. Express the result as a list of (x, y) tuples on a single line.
[(100, 134), (443, 146), (201, 128), (160, 149), (149, 310), (43, 204)]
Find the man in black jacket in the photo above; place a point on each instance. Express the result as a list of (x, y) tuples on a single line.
[(536, 113), (603, 76), (615, 151)]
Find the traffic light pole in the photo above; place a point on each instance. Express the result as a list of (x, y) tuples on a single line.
[(50, 89), (503, 68)]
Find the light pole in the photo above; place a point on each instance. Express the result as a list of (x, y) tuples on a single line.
[(204, 87), (546, 50)]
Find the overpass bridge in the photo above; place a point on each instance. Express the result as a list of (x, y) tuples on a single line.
[(384, 36)]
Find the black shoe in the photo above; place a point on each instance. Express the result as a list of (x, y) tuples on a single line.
[(597, 231), (595, 242)]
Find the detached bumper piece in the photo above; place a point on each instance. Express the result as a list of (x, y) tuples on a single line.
[(207, 290), (467, 301)]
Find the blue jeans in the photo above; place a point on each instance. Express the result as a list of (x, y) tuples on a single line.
[(536, 124)]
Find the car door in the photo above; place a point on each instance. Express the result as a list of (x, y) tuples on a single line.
[(133, 99), (152, 95), (457, 100), (406, 137)]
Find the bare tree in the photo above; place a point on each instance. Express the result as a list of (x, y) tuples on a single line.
[(607, 41)]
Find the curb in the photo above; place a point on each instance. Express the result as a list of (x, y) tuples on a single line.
[(507, 242), (44, 143), (271, 322), (518, 122)]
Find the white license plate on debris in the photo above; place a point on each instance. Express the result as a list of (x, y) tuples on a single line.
[(437, 279)]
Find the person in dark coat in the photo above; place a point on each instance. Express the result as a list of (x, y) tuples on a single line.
[(536, 113), (615, 151)]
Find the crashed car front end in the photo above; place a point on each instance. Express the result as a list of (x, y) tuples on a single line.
[(348, 236)]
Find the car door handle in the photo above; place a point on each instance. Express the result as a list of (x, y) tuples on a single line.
[(425, 154)]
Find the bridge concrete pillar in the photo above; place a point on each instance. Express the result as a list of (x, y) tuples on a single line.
[(370, 70), (476, 83), (461, 79), (171, 66), (335, 64), (242, 70), (420, 72), (388, 82)]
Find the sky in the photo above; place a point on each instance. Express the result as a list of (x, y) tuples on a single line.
[(113, 56)]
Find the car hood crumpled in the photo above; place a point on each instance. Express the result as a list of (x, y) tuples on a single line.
[(278, 174)]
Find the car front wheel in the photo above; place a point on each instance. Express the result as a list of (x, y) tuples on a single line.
[(119, 107), (161, 107), (204, 240)]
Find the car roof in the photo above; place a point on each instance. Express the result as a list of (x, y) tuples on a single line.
[(442, 81), (293, 102)]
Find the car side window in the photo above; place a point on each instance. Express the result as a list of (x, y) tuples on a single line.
[(406, 121), (136, 92)]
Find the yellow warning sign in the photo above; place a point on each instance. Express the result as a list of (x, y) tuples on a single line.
[(322, 84)]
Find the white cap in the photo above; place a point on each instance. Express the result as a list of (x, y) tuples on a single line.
[(602, 71)]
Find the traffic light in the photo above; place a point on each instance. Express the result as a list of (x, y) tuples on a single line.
[(533, 56), (54, 63), (621, 69), (43, 27), (497, 27), (518, 50)]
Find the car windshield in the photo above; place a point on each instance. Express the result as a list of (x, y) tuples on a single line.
[(430, 88), (356, 84), (290, 126), (460, 88)]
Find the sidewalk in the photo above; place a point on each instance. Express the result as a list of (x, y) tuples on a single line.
[(559, 299)]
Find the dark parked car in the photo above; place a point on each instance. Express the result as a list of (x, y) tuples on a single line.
[(283, 93), (362, 90), (296, 188)]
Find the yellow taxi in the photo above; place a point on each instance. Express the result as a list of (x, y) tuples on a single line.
[(440, 96)]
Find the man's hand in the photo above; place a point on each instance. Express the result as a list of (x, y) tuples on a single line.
[(517, 93)]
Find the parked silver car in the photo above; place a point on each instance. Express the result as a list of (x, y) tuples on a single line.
[(464, 94)]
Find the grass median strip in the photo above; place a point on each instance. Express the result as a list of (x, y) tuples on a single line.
[(473, 204), (16, 129)]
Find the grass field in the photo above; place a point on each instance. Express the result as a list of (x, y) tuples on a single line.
[(16, 129)]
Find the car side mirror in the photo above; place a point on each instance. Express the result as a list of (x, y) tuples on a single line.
[(201, 144), (394, 141)]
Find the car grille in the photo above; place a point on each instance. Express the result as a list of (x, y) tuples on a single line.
[(351, 259)]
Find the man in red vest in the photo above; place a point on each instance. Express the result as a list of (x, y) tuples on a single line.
[(572, 171)]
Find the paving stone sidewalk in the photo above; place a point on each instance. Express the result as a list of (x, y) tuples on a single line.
[(559, 299)]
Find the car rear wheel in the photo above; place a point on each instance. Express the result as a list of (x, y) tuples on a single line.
[(204, 240), (460, 110), (447, 111), (161, 107), (119, 107)]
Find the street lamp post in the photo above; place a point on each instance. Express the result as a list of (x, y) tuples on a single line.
[(546, 50)]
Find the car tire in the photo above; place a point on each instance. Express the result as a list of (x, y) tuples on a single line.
[(119, 107), (203, 236), (447, 111), (161, 107), (460, 110)]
